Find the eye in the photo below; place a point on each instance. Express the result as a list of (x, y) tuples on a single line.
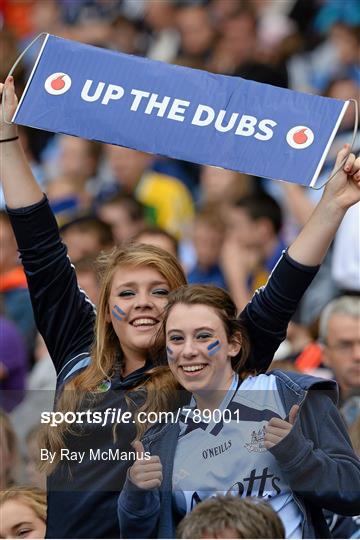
[(125, 294), (175, 338), (204, 335), (160, 292), (23, 533)]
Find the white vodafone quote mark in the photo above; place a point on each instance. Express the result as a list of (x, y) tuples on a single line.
[(57, 83), (300, 137)]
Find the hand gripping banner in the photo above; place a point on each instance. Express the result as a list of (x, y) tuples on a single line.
[(179, 112)]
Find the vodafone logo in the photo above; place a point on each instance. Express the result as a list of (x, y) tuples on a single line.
[(300, 137), (57, 83)]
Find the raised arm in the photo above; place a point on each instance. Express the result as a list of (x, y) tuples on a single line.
[(19, 185), (267, 315), (342, 192), (63, 315)]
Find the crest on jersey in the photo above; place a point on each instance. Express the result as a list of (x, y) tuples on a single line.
[(257, 443)]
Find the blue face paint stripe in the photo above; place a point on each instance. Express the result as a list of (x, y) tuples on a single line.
[(214, 351), (116, 315), (212, 345), (169, 351), (119, 310)]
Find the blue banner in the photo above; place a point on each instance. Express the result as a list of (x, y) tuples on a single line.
[(179, 112)]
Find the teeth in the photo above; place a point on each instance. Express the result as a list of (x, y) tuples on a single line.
[(193, 368), (144, 322)]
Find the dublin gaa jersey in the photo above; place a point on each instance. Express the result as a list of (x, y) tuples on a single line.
[(229, 456)]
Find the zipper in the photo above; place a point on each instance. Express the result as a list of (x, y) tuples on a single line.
[(302, 511)]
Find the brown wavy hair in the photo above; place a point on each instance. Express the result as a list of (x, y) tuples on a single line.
[(106, 349), (220, 301)]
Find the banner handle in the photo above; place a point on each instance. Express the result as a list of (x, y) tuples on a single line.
[(12, 69), (356, 125)]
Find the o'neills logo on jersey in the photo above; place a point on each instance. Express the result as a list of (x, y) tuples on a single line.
[(217, 450)]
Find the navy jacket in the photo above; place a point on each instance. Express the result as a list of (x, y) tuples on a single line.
[(316, 457), (84, 505)]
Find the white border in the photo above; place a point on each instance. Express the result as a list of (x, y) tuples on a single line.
[(30, 78), (329, 143)]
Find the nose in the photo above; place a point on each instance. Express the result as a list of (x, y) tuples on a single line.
[(356, 350), (143, 300), (189, 350)]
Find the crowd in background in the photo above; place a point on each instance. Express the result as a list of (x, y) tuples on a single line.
[(227, 229)]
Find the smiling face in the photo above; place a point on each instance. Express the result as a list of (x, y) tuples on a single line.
[(198, 349), (17, 520), (137, 299)]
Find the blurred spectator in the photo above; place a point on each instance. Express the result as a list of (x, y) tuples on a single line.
[(13, 365), (222, 186), (255, 222), (344, 88), (86, 235), (354, 432), (197, 34), (336, 56), (124, 214), (168, 199), (23, 513), (75, 158), (351, 408), (35, 478), (68, 198), (208, 237), (125, 36), (160, 17), (14, 295), (8, 452), (231, 517), (302, 346), (221, 11), (88, 278), (331, 12), (237, 44), (340, 334), (40, 392), (154, 236)]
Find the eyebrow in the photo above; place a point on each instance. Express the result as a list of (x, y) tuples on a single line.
[(21, 524), (134, 284), (207, 328)]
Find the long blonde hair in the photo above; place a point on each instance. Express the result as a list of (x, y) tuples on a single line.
[(106, 348), (8, 441), (33, 497)]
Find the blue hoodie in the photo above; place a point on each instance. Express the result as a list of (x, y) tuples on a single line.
[(316, 459)]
